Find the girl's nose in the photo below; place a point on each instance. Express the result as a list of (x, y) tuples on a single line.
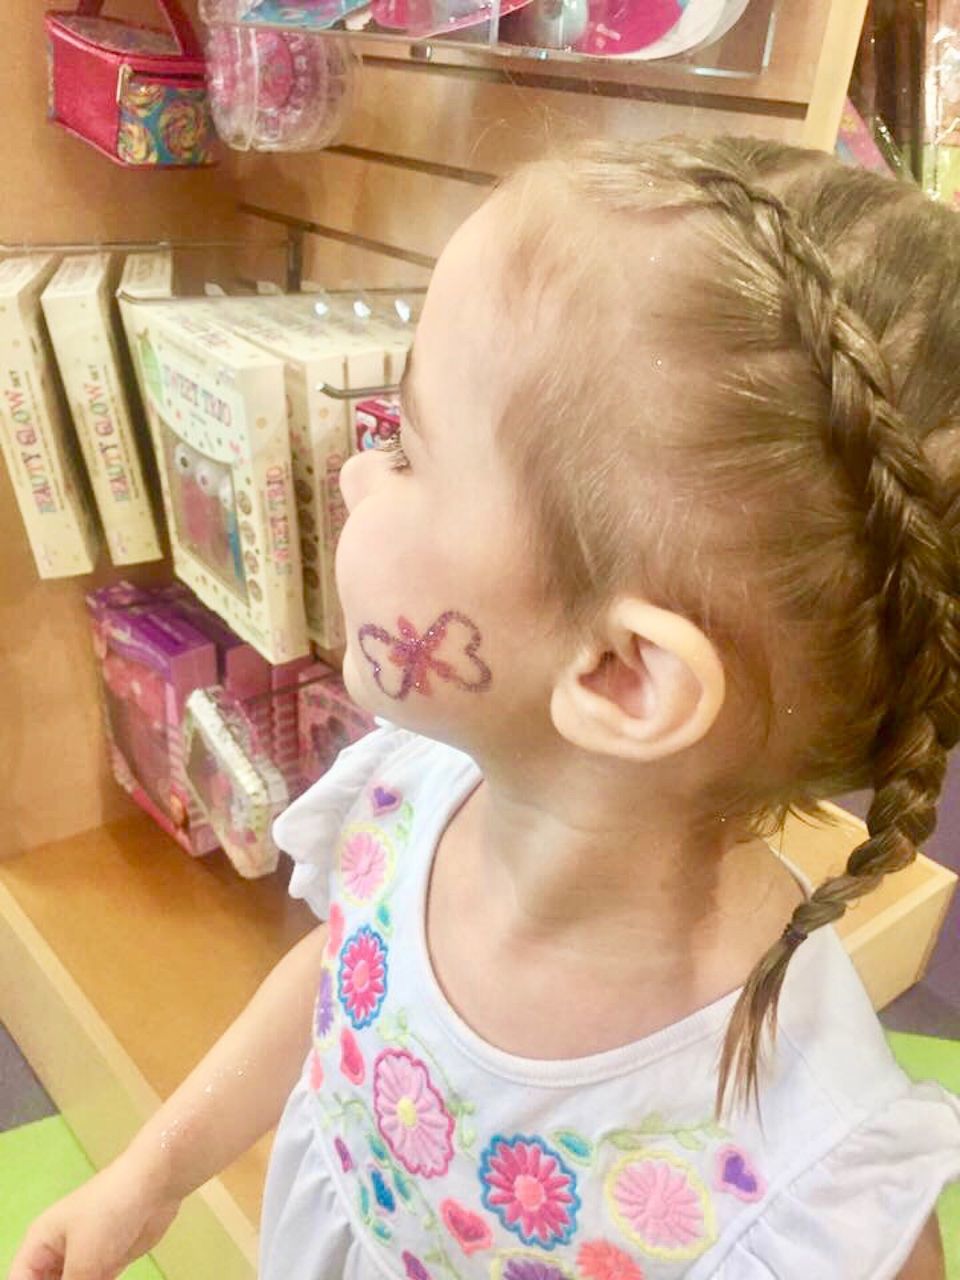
[(358, 475)]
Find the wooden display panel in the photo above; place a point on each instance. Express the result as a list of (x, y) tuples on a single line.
[(56, 780), (428, 138)]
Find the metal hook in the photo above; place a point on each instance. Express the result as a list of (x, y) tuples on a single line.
[(358, 393)]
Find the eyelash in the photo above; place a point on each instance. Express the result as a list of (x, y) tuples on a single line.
[(398, 460)]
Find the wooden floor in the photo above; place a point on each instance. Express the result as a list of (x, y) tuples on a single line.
[(122, 960)]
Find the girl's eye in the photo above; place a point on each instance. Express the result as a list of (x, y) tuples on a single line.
[(394, 447)]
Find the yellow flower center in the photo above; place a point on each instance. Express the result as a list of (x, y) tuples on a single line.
[(407, 1113)]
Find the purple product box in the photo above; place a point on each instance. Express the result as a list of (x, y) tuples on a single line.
[(151, 659)]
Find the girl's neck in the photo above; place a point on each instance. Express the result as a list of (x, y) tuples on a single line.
[(611, 920), (605, 863)]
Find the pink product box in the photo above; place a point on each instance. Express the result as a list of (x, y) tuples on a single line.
[(151, 659), (329, 720), (374, 421)]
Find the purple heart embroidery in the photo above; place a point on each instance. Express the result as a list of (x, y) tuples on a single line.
[(736, 1175), (384, 800)]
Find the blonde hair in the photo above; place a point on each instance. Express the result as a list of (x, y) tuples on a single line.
[(778, 489)]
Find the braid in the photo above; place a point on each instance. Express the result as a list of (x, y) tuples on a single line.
[(793, 374), (916, 585)]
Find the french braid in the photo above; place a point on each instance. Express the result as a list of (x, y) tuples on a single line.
[(914, 569), (784, 496)]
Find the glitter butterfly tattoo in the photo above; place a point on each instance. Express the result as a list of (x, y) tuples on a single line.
[(447, 650)]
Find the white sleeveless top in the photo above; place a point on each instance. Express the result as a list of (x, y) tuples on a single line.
[(413, 1149)]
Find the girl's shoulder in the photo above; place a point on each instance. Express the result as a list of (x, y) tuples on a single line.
[(388, 771)]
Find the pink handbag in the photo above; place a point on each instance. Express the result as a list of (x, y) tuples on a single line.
[(136, 93)]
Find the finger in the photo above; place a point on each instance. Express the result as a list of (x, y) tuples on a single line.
[(35, 1261)]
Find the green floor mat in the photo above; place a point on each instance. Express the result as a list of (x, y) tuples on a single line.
[(924, 1058), (39, 1163)]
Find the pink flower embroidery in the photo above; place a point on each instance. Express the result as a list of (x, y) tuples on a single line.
[(362, 983), (600, 1260), (351, 1059), (316, 1071), (659, 1202), (334, 929), (467, 1228), (364, 862), (530, 1189), (411, 1114)]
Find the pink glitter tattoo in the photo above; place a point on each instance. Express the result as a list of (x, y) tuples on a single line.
[(417, 656)]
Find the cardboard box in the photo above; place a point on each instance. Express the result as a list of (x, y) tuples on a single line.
[(77, 305), (317, 351), (38, 443), (151, 659), (216, 408)]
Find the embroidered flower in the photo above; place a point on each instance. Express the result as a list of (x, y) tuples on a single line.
[(414, 1268), (316, 1072), (323, 1012), (734, 1173), (365, 859), (530, 1189), (659, 1203), (411, 1114), (334, 929), (600, 1260), (351, 1059), (343, 1151), (518, 1265), (363, 976), (467, 1228)]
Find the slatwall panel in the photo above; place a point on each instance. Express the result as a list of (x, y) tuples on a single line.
[(426, 141)]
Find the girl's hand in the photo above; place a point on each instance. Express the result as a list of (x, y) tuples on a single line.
[(96, 1231)]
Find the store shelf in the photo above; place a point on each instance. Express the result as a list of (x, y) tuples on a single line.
[(121, 960), (742, 53)]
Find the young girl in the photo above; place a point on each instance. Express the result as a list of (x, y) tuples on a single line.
[(661, 554)]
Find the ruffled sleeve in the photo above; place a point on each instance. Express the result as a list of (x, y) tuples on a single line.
[(857, 1212), (308, 829)]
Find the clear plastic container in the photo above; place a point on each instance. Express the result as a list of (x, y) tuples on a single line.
[(622, 28), (278, 90)]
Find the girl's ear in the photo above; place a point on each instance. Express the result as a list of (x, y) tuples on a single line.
[(651, 684)]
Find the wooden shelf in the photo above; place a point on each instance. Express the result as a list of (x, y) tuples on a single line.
[(121, 961)]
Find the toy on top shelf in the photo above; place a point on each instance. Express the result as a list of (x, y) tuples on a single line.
[(278, 90), (216, 408)]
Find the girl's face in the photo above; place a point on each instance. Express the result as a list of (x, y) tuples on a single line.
[(444, 632)]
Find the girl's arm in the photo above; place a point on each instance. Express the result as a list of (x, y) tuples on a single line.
[(233, 1097), (239, 1089), (927, 1261)]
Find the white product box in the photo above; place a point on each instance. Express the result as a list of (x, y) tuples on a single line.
[(145, 277), (38, 443), (216, 408), (315, 352), (77, 305)]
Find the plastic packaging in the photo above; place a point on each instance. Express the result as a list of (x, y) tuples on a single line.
[(278, 90)]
